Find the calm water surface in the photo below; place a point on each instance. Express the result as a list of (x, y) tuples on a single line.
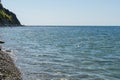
[(65, 53)]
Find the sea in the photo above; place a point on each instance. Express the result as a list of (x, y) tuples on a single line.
[(64, 52)]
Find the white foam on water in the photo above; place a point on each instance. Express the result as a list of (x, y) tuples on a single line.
[(12, 53)]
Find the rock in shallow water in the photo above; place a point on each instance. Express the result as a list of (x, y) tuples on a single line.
[(8, 70), (1, 42)]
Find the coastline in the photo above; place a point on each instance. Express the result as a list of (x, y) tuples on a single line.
[(8, 70)]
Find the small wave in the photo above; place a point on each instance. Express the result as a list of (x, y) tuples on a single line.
[(10, 52)]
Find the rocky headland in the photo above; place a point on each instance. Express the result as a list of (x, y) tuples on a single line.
[(8, 18)]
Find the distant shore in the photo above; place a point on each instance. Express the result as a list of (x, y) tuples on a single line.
[(71, 25), (59, 26)]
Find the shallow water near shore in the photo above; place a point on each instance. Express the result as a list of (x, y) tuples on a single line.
[(65, 53)]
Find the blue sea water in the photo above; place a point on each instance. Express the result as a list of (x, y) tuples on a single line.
[(65, 53)]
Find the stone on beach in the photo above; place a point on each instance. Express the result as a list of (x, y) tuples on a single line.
[(0, 48)]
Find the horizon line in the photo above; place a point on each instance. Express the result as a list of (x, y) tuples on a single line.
[(72, 25)]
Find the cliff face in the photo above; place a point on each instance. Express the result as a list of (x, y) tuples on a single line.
[(8, 18)]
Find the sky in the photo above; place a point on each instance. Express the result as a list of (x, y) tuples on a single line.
[(65, 12)]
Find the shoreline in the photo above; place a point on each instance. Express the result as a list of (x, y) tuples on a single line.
[(8, 69)]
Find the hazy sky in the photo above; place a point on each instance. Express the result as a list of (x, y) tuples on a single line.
[(66, 12)]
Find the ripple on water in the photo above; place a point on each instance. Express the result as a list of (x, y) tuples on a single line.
[(66, 53)]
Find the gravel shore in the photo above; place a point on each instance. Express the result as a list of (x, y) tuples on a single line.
[(8, 70)]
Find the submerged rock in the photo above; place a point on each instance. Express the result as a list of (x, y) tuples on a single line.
[(8, 70)]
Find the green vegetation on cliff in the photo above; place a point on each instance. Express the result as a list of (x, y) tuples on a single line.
[(4, 15), (8, 18)]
